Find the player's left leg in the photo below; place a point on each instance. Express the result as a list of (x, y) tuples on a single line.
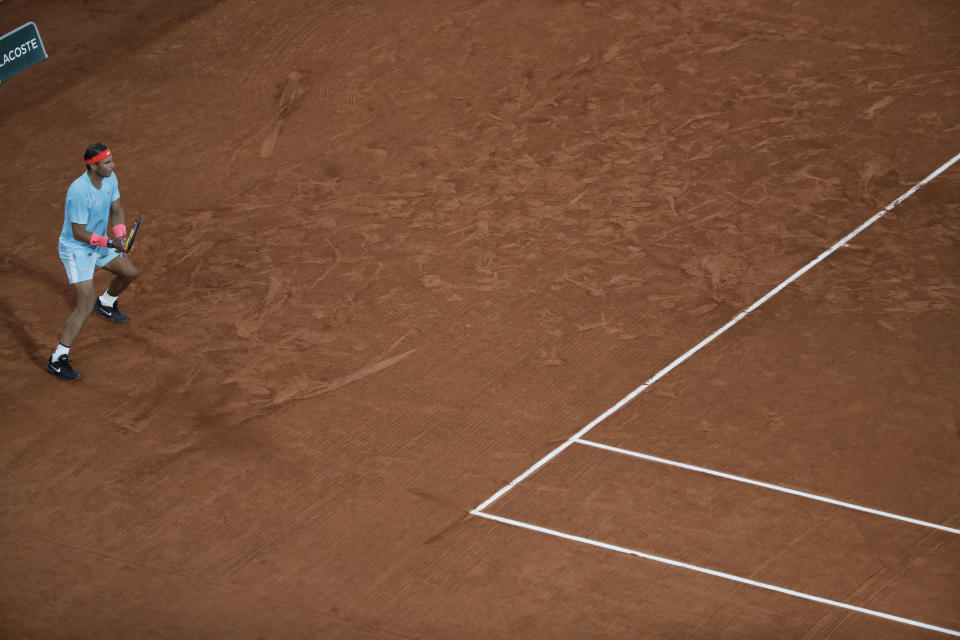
[(124, 272)]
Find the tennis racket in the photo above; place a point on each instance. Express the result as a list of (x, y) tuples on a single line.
[(128, 243)]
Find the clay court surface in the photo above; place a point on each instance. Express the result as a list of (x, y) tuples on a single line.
[(397, 252)]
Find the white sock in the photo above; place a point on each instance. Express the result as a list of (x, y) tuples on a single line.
[(108, 300), (61, 351)]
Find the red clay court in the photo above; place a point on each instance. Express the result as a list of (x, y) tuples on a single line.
[(489, 319)]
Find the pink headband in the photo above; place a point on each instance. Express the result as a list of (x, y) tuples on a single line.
[(100, 157)]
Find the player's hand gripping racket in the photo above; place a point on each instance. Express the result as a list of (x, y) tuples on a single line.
[(128, 243)]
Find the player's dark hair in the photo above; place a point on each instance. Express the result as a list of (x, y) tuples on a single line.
[(94, 149)]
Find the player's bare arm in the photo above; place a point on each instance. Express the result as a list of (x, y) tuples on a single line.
[(80, 233)]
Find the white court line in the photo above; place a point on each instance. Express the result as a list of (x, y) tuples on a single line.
[(766, 485), (718, 574), (740, 316)]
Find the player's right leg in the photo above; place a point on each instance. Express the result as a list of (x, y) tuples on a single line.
[(79, 266), (78, 317)]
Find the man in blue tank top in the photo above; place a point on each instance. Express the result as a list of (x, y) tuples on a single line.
[(91, 213)]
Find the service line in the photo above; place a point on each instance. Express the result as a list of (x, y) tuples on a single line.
[(713, 336), (717, 574), (765, 485)]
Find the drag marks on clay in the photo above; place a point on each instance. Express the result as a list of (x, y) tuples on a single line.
[(272, 299), (296, 393), (290, 98)]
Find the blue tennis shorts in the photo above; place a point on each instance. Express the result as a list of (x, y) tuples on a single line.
[(80, 262)]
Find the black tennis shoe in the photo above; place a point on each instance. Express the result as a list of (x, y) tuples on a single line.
[(62, 368), (113, 314)]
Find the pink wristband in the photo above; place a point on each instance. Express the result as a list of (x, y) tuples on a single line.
[(119, 230), (97, 240)]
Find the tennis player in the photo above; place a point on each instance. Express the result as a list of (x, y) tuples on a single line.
[(92, 208)]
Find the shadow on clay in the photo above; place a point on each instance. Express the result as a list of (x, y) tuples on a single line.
[(12, 322), (59, 284)]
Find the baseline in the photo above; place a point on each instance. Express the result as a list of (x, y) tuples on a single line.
[(717, 574), (765, 485)]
